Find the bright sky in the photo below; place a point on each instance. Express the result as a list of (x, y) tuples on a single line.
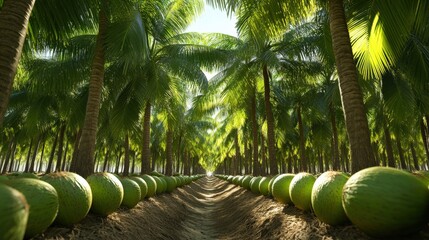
[(213, 20)]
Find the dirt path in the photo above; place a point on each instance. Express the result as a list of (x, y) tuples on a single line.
[(208, 209)]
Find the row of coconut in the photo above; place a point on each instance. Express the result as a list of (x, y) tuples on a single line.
[(29, 204), (381, 201)]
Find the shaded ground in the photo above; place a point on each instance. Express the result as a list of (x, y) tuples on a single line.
[(208, 209)]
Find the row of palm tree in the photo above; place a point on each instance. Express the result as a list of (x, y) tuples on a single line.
[(305, 85)]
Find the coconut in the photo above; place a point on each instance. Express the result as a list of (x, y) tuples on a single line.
[(326, 198), (13, 213), (270, 184), (132, 193), (142, 184), (74, 196), (27, 175), (300, 190), (254, 184), (386, 202), (43, 201), (246, 182), (107, 192), (159, 184), (280, 188), (263, 186), (235, 180), (3, 178), (163, 184), (151, 185), (171, 183)]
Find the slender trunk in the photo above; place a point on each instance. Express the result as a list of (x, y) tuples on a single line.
[(12, 158), (351, 94), (335, 153), (289, 163), (27, 162), (186, 169), (263, 157), (33, 157), (270, 124), (106, 160), (389, 148), (39, 169), (14, 16), (424, 135), (237, 155), (169, 153), (302, 153), (256, 166), (64, 159), (51, 157), (127, 156), (84, 164), (76, 145), (145, 157), (320, 160), (8, 156), (414, 155), (60, 147), (118, 162), (133, 164), (401, 152)]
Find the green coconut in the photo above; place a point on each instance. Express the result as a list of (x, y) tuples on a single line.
[(386, 202), (300, 190), (13, 213), (246, 182), (235, 180), (254, 184), (132, 193), (43, 201), (151, 185), (142, 184), (27, 175), (163, 184), (263, 186), (107, 192), (3, 178), (74, 196), (270, 184), (326, 198), (229, 179), (159, 183), (280, 188), (171, 183)]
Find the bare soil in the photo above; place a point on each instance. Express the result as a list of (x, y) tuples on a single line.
[(208, 209)]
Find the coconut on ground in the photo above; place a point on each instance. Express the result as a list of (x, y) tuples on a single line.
[(13, 213), (107, 192), (280, 188), (326, 198), (74, 196), (386, 202), (43, 201), (300, 190)]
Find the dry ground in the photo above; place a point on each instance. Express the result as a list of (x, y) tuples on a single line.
[(208, 209)]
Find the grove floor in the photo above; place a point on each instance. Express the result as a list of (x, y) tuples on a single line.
[(208, 209)]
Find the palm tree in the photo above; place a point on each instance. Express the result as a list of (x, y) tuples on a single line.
[(14, 17)]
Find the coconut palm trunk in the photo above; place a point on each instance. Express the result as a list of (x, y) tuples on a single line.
[(146, 139), (302, 153), (351, 93), (126, 156), (84, 164), (14, 16), (389, 147), (335, 152), (271, 140), (169, 153), (256, 166)]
